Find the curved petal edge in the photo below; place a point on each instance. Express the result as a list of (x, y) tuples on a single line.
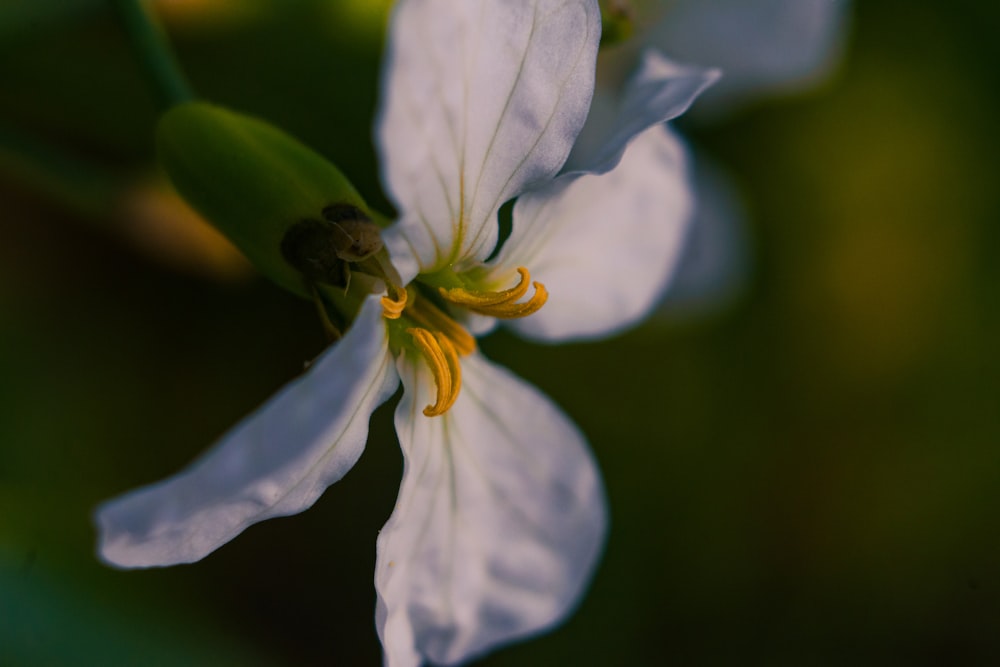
[(276, 462), (764, 47), (605, 246), (481, 100), (499, 522), (659, 91)]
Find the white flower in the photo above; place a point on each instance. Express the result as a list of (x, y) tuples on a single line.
[(500, 516), (763, 48)]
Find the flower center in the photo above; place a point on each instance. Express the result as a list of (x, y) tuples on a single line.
[(438, 338), (441, 341), (346, 242)]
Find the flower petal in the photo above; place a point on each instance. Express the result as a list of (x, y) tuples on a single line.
[(276, 462), (604, 246), (659, 91), (762, 46), (553, 224), (482, 99), (499, 522)]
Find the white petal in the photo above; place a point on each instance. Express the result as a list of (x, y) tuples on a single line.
[(761, 45), (276, 462), (605, 246), (660, 90), (482, 99), (499, 522)]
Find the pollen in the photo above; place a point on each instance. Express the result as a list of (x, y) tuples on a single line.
[(442, 358), (502, 304)]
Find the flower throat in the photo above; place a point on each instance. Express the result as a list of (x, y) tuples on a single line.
[(346, 243)]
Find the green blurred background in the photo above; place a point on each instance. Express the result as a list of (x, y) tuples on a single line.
[(810, 476)]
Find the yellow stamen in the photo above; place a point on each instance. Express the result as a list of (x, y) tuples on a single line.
[(510, 311), (443, 361), (502, 304), (426, 314), (478, 299), (454, 368), (394, 303)]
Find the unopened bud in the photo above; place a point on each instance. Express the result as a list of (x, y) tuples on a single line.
[(255, 183)]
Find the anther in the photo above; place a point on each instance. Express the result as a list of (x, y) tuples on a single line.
[(502, 304), (442, 359), (511, 311), (394, 304)]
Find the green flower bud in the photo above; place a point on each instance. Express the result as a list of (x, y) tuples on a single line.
[(251, 180)]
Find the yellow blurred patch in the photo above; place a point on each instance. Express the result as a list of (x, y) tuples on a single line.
[(364, 19), (161, 225), (893, 239), (206, 12)]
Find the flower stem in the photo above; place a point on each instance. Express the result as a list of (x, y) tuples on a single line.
[(149, 42)]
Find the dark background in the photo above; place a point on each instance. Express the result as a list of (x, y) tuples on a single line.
[(809, 475)]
